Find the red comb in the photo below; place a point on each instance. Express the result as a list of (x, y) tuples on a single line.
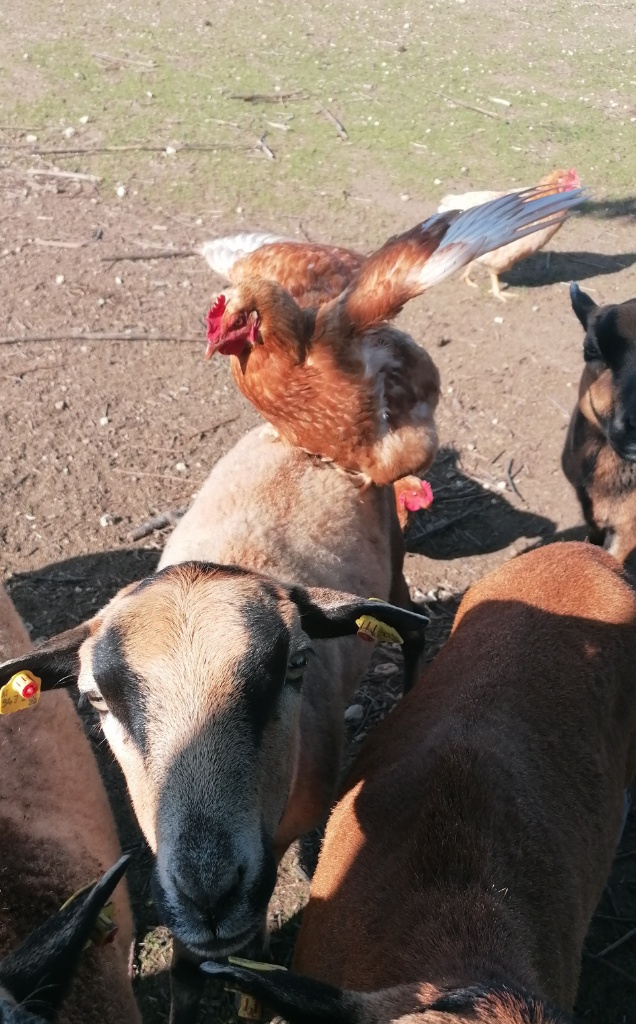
[(214, 324)]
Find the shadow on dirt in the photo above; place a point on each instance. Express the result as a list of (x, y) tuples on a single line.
[(544, 268), (471, 517)]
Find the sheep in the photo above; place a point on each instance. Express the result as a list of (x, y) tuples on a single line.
[(228, 727), (599, 457), (56, 834), (462, 866)]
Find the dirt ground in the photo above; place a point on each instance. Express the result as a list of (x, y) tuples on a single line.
[(100, 434)]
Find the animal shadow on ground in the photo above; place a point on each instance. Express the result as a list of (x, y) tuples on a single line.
[(606, 209), (544, 268), (471, 516)]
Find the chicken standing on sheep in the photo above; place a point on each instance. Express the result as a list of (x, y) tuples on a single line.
[(306, 327)]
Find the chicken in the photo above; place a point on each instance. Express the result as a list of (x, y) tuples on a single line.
[(500, 260), (326, 369)]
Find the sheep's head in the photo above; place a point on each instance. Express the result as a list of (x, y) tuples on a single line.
[(609, 351), (197, 676)]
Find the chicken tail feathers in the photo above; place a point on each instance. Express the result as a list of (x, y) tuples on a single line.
[(427, 254), (222, 253)]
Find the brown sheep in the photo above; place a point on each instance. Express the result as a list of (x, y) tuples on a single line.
[(599, 457), (219, 687), (56, 835), (461, 868)]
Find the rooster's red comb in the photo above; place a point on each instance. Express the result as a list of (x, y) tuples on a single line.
[(214, 323)]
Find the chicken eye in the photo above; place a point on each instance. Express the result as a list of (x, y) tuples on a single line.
[(296, 667)]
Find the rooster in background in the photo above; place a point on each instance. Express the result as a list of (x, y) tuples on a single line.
[(503, 259), (306, 328)]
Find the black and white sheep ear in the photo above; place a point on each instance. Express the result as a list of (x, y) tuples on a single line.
[(55, 663), (41, 969), (582, 304), (326, 614), (298, 999)]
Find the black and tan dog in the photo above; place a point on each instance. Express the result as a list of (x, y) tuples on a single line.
[(599, 458)]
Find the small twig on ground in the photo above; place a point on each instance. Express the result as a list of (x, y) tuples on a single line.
[(511, 480), (190, 147), (147, 65), (169, 518), (443, 524), (338, 125), (593, 263), (52, 243), (262, 145), (156, 476), (263, 97), (208, 430), (615, 945), (470, 106), (15, 339), (150, 254), (73, 175), (611, 967)]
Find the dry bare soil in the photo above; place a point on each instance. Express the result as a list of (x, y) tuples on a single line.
[(100, 434)]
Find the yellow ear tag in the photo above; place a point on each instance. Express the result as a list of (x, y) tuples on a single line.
[(22, 691), (374, 630), (105, 929), (248, 1007)]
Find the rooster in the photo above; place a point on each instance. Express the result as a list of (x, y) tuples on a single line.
[(500, 260), (306, 328)]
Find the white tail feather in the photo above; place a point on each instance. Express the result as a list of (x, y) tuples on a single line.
[(222, 253)]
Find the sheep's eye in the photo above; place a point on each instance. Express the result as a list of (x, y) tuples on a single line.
[(95, 698), (296, 667)]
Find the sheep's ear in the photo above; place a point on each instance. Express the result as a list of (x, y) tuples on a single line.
[(55, 662), (326, 614), (298, 999), (582, 304), (40, 970)]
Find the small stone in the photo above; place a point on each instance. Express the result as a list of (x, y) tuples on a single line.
[(60, 405), (103, 421), (59, 279), (181, 467), (437, 181), (83, 119), (405, 197), (31, 138), (118, 280), (170, 151), (355, 713), (121, 191), (499, 320), (239, 209), (69, 132), (106, 520), (385, 669)]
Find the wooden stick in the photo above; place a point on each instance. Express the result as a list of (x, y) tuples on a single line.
[(73, 175), (160, 254), (265, 148), (169, 518), (15, 339), (149, 65), (340, 128), (470, 106), (619, 942), (51, 243), (190, 147), (208, 430), (611, 967), (274, 97)]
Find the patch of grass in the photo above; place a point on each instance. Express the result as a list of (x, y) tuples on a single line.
[(386, 75)]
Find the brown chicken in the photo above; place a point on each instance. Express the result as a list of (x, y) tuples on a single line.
[(503, 259), (306, 329)]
